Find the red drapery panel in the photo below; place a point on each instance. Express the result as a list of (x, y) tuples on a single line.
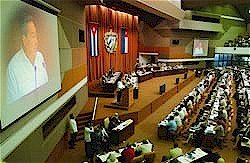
[(106, 18)]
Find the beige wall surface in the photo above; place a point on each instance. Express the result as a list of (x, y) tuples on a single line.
[(149, 37), (72, 59)]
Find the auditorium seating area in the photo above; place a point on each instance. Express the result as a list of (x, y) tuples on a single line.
[(242, 132), (216, 112), (240, 41), (186, 109)]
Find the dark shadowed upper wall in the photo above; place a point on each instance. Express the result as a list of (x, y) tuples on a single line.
[(161, 40)]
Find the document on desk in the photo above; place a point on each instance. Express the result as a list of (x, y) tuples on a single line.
[(105, 156), (245, 143), (123, 124), (192, 156)]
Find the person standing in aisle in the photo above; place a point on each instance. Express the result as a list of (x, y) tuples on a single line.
[(73, 131)]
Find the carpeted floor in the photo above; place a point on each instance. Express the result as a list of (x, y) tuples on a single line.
[(147, 129)]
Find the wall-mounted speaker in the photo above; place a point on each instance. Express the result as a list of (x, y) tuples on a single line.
[(185, 75), (177, 80), (162, 88), (175, 42), (81, 36)]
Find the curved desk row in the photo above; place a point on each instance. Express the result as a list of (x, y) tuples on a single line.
[(159, 73)]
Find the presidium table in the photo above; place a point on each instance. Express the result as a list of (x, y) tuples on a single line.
[(111, 83), (122, 132)]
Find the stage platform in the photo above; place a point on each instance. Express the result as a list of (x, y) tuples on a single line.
[(149, 98)]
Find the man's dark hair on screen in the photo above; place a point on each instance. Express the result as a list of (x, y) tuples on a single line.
[(23, 23)]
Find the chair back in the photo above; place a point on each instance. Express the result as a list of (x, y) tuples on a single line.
[(138, 159), (106, 123), (149, 157)]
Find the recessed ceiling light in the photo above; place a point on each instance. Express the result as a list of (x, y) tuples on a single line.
[(249, 11)]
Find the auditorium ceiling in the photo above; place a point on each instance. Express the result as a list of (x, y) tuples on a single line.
[(243, 6)]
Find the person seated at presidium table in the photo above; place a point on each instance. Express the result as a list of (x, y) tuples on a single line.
[(104, 79), (107, 76), (111, 71)]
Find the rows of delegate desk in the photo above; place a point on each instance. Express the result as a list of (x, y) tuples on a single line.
[(190, 104), (158, 72), (111, 83), (243, 113), (103, 157), (209, 117), (126, 129)]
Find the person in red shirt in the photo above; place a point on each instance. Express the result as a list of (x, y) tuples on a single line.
[(128, 154)]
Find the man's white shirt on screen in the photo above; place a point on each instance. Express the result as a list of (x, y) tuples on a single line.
[(23, 77)]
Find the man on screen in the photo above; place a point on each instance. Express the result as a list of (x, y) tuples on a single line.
[(198, 48), (26, 69)]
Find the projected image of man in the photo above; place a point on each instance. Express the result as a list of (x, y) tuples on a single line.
[(27, 68), (198, 50)]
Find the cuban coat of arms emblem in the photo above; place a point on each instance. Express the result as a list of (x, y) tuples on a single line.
[(110, 41)]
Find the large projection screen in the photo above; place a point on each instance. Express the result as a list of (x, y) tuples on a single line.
[(200, 47), (30, 70)]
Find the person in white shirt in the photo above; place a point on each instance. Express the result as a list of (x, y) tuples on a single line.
[(88, 130), (144, 148), (181, 113), (177, 119), (73, 131), (120, 87), (27, 68), (105, 139)]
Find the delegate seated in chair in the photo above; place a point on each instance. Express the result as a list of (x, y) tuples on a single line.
[(172, 125), (128, 154), (174, 152), (172, 128), (220, 134), (143, 148)]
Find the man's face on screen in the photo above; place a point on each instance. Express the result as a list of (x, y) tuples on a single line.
[(200, 45), (30, 41)]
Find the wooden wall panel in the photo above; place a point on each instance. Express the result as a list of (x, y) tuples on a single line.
[(67, 82), (157, 103), (77, 58), (107, 18), (77, 74), (160, 50), (133, 116)]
